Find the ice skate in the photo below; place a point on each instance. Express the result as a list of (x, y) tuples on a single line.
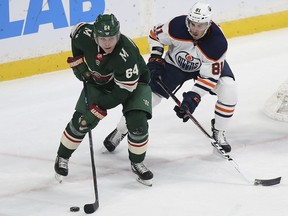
[(144, 174), (61, 168), (219, 136), (112, 140)]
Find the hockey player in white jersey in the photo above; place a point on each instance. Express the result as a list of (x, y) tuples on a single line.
[(196, 50)]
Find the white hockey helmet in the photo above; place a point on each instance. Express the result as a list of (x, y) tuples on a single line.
[(200, 13)]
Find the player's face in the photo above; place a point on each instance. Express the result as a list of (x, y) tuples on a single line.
[(107, 43), (197, 30)]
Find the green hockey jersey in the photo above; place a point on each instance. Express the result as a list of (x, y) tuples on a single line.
[(116, 75)]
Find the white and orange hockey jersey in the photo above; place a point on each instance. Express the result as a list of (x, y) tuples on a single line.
[(206, 55)]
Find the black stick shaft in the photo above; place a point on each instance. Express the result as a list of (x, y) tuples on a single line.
[(90, 208)]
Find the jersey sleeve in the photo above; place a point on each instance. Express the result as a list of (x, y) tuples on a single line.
[(80, 33), (158, 38)]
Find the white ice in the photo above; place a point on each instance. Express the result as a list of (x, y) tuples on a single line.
[(189, 179)]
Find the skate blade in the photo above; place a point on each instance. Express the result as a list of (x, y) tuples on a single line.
[(218, 153), (59, 178), (145, 182)]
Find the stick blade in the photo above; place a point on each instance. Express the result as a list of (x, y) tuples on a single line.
[(267, 182), (91, 208)]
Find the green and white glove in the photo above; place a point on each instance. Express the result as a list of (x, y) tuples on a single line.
[(91, 118)]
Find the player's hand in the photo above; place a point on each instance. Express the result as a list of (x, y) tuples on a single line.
[(156, 65), (91, 118), (181, 113), (190, 102), (79, 67)]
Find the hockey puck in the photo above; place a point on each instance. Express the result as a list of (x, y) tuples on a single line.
[(74, 209)]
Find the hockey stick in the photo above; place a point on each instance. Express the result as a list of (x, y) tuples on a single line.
[(90, 208), (264, 182)]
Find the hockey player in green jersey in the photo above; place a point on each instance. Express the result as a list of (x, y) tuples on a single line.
[(116, 74)]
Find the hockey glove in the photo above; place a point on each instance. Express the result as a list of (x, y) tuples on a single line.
[(190, 102), (79, 67), (91, 118), (156, 65)]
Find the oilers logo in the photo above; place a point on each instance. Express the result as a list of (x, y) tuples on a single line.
[(187, 62)]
